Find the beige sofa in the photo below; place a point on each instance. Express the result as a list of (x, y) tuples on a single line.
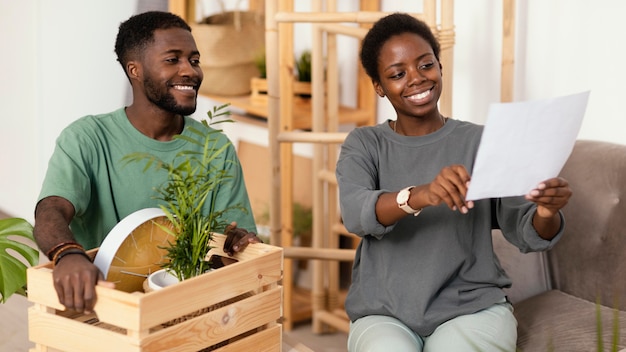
[(555, 292)]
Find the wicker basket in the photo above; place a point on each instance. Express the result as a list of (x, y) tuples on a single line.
[(228, 43)]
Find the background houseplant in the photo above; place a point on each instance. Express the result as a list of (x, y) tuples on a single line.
[(13, 268), (191, 182), (259, 62), (303, 64)]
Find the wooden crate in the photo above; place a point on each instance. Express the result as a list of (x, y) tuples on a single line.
[(245, 301), (258, 86)]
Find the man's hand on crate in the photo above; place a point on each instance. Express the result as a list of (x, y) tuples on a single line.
[(237, 239), (74, 279)]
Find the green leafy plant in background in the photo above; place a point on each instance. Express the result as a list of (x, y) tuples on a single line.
[(259, 62), (192, 181), (303, 65), (599, 328), (302, 222), (12, 269)]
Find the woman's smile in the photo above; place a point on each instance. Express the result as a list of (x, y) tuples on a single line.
[(421, 98)]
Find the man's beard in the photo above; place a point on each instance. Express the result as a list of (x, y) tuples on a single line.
[(165, 100)]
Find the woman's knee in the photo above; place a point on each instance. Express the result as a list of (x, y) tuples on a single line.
[(378, 333), (492, 329)]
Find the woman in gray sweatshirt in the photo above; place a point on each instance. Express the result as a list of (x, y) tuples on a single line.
[(425, 276)]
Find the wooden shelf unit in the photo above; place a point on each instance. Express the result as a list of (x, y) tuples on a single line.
[(327, 24), (302, 111)]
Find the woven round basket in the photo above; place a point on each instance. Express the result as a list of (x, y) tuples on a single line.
[(228, 43)]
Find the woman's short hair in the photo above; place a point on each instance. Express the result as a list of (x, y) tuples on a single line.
[(387, 27)]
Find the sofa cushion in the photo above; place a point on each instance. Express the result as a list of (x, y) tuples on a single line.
[(556, 321)]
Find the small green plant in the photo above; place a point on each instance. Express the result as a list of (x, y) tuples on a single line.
[(304, 66), (259, 62), (599, 329), (192, 181), (12, 269), (302, 222)]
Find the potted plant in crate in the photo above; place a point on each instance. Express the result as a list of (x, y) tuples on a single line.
[(12, 269), (191, 182)]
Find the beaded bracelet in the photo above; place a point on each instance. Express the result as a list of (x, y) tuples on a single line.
[(71, 251), (66, 248), (53, 250)]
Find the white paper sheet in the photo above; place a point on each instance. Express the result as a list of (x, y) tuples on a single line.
[(524, 143)]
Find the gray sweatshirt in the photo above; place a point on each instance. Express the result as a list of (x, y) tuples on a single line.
[(427, 269)]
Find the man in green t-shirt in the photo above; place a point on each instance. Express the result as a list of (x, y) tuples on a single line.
[(88, 188)]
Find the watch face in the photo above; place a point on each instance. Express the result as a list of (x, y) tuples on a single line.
[(134, 248), (403, 196)]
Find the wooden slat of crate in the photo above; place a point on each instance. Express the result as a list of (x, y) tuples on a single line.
[(48, 329), (217, 326), (257, 273), (191, 335), (268, 340), (226, 282)]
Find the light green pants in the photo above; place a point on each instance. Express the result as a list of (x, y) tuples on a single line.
[(491, 329)]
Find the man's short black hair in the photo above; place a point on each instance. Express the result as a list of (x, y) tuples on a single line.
[(138, 31)]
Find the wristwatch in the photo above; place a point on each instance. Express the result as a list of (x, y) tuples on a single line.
[(403, 201)]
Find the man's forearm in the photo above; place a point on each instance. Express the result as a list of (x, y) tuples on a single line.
[(52, 219)]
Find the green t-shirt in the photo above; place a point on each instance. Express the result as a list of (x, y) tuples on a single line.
[(86, 168)]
